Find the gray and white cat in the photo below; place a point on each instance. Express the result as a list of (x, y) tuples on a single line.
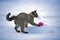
[(22, 19)]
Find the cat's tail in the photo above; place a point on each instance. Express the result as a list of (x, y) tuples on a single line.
[(10, 18)]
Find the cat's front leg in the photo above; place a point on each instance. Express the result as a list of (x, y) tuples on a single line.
[(33, 23)]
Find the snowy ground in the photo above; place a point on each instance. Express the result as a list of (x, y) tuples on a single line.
[(48, 11), (35, 33)]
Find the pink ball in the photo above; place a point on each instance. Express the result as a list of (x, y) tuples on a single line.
[(40, 23)]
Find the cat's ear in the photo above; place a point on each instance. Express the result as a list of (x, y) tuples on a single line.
[(35, 10)]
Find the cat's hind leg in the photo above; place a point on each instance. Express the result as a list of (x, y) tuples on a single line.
[(22, 30), (16, 27), (26, 25)]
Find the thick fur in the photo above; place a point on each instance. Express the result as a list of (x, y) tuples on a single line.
[(22, 20)]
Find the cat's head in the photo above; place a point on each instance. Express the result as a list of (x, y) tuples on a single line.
[(35, 13)]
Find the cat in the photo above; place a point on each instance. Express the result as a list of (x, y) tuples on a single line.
[(22, 20)]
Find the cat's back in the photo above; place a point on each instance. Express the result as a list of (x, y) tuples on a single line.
[(22, 15)]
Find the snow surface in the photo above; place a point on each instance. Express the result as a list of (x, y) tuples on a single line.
[(35, 33), (48, 12)]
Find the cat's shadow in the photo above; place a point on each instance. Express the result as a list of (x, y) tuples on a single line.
[(34, 30), (38, 30)]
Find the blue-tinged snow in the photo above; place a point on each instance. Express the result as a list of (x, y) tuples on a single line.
[(35, 33), (49, 14)]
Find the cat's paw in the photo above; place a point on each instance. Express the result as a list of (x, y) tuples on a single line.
[(18, 31), (25, 32)]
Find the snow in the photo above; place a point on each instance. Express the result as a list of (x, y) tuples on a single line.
[(48, 12), (35, 33)]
